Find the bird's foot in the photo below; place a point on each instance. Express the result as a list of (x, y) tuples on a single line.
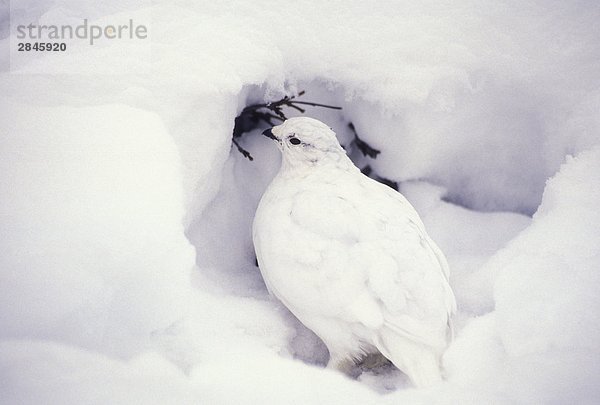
[(345, 365)]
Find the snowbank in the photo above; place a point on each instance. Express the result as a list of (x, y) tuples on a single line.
[(547, 278), (93, 247), (545, 329), (127, 270)]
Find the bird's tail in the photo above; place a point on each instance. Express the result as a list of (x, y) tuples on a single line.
[(419, 362)]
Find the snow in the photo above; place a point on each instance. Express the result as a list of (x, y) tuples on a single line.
[(90, 219), (552, 275), (126, 267)]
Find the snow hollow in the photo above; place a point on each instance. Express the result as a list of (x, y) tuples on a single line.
[(127, 271)]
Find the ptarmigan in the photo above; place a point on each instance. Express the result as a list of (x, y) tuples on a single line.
[(350, 257)]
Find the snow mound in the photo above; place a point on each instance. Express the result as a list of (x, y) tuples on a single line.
[(546, 289), (126, 264), (544, 332), (93, 246)]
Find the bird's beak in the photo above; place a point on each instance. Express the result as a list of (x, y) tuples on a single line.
[(269, 134)]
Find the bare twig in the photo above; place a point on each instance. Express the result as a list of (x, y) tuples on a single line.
[(368, 171), (243, 151), (269, 113), (272, 113), (316, 104), (365, 148)]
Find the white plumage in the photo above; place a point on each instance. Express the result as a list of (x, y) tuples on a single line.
[(350, 257)]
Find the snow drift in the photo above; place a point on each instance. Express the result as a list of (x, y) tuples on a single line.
[(127, 269)]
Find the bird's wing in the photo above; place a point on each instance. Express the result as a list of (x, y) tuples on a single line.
[(389, 272)]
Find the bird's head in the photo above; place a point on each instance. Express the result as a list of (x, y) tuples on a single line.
[(306, 141)]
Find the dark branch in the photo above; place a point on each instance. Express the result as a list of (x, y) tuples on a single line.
[(243, 151), (368, 171), (365, 148), (270, 113), (316, 104), (302, 110)]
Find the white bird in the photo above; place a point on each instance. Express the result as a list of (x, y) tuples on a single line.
[(350, 258)]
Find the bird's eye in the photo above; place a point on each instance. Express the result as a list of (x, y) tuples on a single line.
[(295, 141)]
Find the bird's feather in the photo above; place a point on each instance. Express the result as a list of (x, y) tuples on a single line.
[(350, 257), (379, 248)]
